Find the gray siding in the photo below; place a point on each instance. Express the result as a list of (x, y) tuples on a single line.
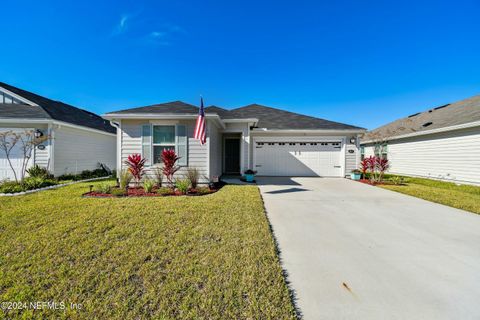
[(451, 156), (132, 143), (77, 149), (352, 156)]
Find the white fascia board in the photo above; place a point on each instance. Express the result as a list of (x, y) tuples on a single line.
[(160, 116), (426, 132), (317, 131), (16, 96), (240, 120)]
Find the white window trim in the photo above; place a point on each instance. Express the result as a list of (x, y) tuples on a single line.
[(152, 144)]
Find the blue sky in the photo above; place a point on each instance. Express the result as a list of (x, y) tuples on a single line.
[(363, 63)]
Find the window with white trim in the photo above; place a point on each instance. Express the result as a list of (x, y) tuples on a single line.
[(163, 139), (156, 138)]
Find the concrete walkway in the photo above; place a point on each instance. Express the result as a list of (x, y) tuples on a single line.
[(353, 251)]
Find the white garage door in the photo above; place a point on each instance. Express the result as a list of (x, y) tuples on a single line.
[(16, 157), (281, 158)]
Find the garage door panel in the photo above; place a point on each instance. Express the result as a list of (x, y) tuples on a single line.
[(16, 159), (298, 159)]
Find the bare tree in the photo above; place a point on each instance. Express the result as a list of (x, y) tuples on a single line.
[(27, 141)]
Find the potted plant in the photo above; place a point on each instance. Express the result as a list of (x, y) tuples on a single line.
[(249, 175), (356, 174)]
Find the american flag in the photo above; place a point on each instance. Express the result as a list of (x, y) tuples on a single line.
[(200, 128)]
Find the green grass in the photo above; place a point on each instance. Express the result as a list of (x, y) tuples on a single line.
[(209, 257), (463, 197)]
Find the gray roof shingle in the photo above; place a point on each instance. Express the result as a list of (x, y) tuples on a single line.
[(55, 110), (272, 118), (21, 111), (269, 118), (168, 107), (461, 112)]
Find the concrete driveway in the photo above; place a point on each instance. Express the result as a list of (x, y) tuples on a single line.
[(353, 251)]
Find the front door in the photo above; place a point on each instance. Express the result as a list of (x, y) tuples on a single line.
[(232, 155)]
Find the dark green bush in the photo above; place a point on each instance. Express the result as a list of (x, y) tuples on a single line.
[(203, 190), (11, 187), (29, 183), (38, 172)]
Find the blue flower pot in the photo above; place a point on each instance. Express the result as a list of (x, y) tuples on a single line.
[(355, 176), (249, 177)]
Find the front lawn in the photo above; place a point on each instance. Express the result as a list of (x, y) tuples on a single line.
[(209, 257), (458, 196)]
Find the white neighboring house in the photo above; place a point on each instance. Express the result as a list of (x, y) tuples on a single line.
[(271, 141), (80, 140), (440, 143)]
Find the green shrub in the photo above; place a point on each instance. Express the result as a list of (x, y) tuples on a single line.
[(397, 180), (118, 192), (164, 191), (38, 172), (182, 185), (193, 175), (31, 183), (103, 188), (125, 178), (148, 185), (11, 187)]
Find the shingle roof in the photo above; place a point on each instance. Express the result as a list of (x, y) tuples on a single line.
[(168, 107), (269, 118), (272, 118), (56, 110), (461, 112), (21, 111)]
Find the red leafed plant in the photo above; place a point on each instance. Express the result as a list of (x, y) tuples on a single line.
[(136, 164), (376, 166), (364, 167), (169, 159), (381, 165)]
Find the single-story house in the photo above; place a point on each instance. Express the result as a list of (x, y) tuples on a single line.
[(440, 143), (270, 141), (78, 139)]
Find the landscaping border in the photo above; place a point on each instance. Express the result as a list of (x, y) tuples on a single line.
[(51, 187)]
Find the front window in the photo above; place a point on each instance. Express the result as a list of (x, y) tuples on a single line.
[(362, 152), (163, 138)]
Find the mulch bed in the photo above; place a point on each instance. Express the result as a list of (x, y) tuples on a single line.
[(140, 192)]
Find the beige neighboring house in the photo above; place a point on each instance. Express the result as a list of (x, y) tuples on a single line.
[(80, 139), (271, 141), (440, 143)]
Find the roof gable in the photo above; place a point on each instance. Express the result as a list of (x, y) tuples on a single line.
[(60, 111)]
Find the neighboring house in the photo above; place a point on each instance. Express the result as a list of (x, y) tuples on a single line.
[(271, 141), (441, 143), (80, 140)]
